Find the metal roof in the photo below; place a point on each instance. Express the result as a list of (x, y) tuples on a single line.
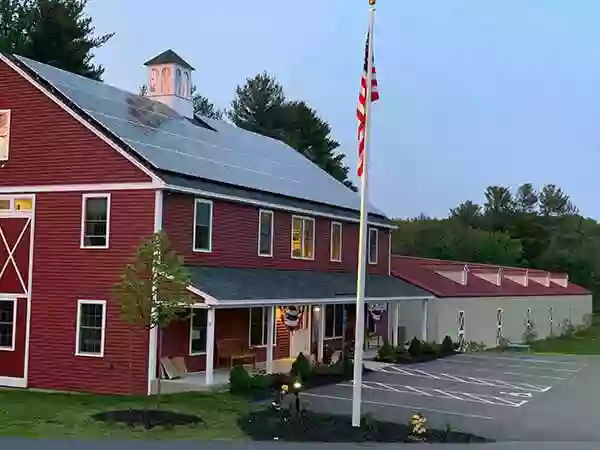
[(234, 284), (168, 57), (170, 142)]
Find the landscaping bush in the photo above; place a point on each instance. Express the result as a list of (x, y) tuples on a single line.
[(414, 349), (430, 349), (240, 380), (386, 353), (261, 382), (302, 367), (447, 347)]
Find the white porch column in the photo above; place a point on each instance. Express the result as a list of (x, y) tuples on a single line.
[(210, 345), (321, 337), (424, 321), (395, 312), (270, 337)]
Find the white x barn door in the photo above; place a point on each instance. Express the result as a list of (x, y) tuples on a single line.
[(15, 239)]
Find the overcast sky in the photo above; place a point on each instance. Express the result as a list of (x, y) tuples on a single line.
[(473, 92)]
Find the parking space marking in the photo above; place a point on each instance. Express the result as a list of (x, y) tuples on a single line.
[(511, 366), (441, 376), (403, 406), (440, 393), (518, 358), (521, 374)]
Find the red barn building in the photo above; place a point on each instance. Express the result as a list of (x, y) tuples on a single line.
[(88, 170)]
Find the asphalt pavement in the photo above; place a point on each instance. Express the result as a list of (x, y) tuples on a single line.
[(502, 397)]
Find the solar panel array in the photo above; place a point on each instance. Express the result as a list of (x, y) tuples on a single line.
[(171, 142)]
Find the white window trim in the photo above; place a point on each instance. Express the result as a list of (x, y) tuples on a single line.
[(272, 214), (376, 245), (7, 111), (190, 352), (333, 224), (334, 305), (14, 330), (84, 199), (77, 332), (265, 317), (304, 219), (210, 225)]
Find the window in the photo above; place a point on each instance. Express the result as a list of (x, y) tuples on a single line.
[(203, 212), (265, 233), (8, 316), (23, 204), (334, 321), (91, 324), (198, 322), (373, 245), (95, 226), (259, 323), (335, 251), (4, 134), (303, 237), (4, 204)]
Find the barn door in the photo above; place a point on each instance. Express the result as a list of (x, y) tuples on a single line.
[(16, 216)]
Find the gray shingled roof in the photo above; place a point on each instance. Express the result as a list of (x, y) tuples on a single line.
[(168, 57), (233, 284), (167, 141)]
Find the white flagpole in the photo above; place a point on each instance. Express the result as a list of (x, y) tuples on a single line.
[(359, 338)]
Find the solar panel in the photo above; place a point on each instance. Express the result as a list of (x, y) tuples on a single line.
[(171, 142)]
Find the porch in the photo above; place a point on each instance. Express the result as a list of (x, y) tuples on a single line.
[(270, 316)]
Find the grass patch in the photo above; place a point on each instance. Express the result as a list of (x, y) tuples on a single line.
[(584, 341), (58, 415)]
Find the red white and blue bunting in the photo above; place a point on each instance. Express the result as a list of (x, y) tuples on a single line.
[(377, 310), (291, 316)]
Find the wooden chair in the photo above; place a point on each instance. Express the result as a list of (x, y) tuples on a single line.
[(234, 349)]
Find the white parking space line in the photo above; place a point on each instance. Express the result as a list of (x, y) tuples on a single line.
[(521, 374), (463, 364), (442, 393), (441, 376), (403, 406), (529, 359)]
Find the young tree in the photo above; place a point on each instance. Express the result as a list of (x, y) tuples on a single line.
[(554, 202), (204, 107), (468, 213), (152, 291), (526, 198)]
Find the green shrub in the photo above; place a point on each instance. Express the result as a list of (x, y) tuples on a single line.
[(240, 380), (447, 347), (386, 353), (302, 367), (261, 382), (429, 349), (414, 349), (400, 350)]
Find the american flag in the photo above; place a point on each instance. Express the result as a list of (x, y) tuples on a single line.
[(362, 101)]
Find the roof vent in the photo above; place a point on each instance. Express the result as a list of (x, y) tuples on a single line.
[(454, 272), (492, 275), (518, 276), (561, 279), (540, 277)]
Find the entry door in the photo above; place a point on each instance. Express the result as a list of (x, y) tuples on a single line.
[(300, 337)]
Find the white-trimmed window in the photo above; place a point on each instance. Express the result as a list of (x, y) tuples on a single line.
[(203, 217), (373, 245), (198, 324), (16, 204), (259, 327), (8, 323), (266, 224), (303, 237), (91, 328), (334, 321), (335, 246), (95, 220), (4, 134)]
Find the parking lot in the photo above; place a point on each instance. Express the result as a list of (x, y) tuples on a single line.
[(503, 397)]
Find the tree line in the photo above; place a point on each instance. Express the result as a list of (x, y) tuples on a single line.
[(534, 228)]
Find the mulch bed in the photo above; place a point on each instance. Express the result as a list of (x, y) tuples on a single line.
[(147, 418), (269, 425)]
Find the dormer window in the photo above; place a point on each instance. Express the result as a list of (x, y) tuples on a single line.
[(4, 134)]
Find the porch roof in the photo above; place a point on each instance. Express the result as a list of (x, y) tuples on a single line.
[(230, 287)]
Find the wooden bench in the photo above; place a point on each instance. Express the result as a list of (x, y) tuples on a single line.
[(234, 349)]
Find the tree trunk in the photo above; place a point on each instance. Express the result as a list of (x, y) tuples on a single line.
[(158, 357)]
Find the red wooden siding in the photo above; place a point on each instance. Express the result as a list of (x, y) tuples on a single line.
[(12, 363), (229, 324), (11, 229), (235, 238), (64, 273), (48, 146)]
